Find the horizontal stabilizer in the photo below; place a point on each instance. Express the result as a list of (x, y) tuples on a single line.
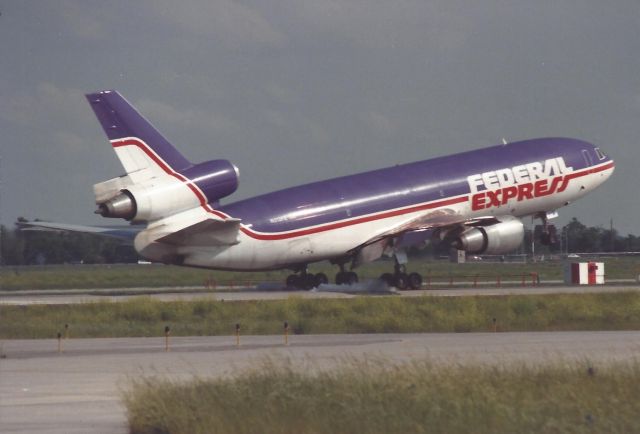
[(126, 233), (209, 232)]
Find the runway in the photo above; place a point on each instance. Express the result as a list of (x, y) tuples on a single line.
[(72, 296), (78, 390)]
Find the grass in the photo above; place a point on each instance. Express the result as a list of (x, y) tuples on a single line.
[(127, 276), (379, 397), (104, 276), (144, 316)]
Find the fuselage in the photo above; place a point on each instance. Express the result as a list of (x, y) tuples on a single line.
[(328, 219)]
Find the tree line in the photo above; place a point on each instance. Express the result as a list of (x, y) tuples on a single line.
[(18, 247), (40, 247)]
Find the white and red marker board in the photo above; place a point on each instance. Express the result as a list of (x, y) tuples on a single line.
[(584, 273)]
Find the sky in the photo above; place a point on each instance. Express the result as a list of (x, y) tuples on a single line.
[(295, 91)]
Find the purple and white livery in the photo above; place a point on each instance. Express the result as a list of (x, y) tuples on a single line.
[(472, 200)]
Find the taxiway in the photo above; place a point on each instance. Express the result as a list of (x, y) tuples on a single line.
[(78, 391), (27, 297)]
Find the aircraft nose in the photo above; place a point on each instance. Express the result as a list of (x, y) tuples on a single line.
[(607, 170)]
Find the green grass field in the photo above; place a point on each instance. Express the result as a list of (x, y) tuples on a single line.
[(127, 276), (376, 397), (144, 316)]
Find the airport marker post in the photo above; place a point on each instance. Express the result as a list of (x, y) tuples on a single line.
[(237, 334), (66, 331), (286, 333), (167, 332), (495, 325), (59, 342)]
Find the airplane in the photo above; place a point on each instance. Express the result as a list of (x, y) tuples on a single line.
[(473, 201)]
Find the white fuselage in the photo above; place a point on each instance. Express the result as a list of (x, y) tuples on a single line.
[(328, 241)]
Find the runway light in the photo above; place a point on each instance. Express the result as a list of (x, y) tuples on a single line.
[(66, 331), (59, 342), (237, 334), (286, 333), (495, 325), (167, 332)]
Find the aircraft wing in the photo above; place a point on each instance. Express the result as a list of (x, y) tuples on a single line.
[(126, 233), (414, 232), (209, 232)]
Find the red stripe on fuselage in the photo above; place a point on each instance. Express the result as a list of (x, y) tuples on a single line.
[(356, 221), (326, 227), (169, 171), (532, 190)]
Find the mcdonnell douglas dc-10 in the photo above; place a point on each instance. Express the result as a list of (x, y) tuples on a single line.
[(474, 201)]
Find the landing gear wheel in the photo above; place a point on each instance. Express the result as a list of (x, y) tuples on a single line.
[(293, 281), (308, 281), (400, 281), (320, 279), (414, 281), (346, 278), (387, 278)]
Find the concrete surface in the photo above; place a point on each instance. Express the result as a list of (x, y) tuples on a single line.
[(78, 391), (172, 294)]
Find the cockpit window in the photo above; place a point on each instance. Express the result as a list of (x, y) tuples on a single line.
[(600, 154)]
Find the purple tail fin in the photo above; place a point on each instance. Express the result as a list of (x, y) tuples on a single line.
[(125, 126)]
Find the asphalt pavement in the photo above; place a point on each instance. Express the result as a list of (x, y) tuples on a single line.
[(79, 390), (373, 288)]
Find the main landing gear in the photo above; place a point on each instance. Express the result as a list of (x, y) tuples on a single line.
[(401, 280), (346, 277), (305, 280)]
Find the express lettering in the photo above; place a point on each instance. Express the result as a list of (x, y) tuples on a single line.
[(538, 179)]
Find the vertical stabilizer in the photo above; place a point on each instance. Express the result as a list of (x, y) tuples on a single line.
[(137, 143)]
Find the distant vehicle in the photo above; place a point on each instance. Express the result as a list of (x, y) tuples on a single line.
[(472, 201), (573, 255)]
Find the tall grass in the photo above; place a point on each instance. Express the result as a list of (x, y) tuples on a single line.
[(375, 397), (105, 276), (127, 276), (144, 316)]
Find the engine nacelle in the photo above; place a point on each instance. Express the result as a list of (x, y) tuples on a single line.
[(215, 178), (497, 239), (163, 196)]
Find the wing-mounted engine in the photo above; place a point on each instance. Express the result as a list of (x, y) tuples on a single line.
[(497, 238), (166, 194)]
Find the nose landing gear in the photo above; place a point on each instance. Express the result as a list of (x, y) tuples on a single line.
[(548, 236)]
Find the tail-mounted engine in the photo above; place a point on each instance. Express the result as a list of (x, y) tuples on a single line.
[(163, 195), (496, 239)]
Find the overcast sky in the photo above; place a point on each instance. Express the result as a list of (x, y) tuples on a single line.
[(294, 91)]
